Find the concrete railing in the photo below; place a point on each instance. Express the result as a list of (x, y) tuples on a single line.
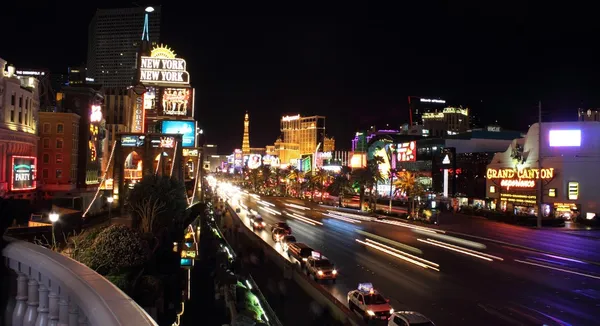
[(51, 289)]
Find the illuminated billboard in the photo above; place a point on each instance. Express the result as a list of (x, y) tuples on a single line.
[(162, 67), (271, 160), (407, 152), (177, 102), (163, 142), (185, 128), (132, 141), (138, 115), (565, 138), (150, 98), (96, 113), (254, 161), (23, 175)]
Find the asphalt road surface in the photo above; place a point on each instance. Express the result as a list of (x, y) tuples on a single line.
[(453, 281)]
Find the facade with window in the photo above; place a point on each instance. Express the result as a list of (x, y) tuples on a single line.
[(562, 175), (19, 106), (58, 151)]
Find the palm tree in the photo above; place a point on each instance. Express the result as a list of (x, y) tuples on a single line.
[(376, 177), (340, 184), (266, 175), (254, 178), (320, 178), (362, 177), (408, 183), (278, 175), (296, 176)]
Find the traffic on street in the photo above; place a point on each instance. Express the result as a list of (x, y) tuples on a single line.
[(449, 279)]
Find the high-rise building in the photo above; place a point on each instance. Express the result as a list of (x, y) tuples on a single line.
[(419, 105), (449, 121), (308, 132), (246, 139), (329, 145), (113, 43)]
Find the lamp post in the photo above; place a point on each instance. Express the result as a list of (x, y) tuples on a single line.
[(110, 201), (53, 218)]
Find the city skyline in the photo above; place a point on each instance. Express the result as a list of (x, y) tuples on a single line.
[(356, 70)]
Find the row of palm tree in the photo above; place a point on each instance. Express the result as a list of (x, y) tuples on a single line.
[(361, 181)]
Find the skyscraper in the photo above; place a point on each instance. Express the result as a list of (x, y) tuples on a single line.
[(246, 139), (308, 132), (114, 38)]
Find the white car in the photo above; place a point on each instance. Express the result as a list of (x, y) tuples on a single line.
[(409, 318), (369, 303)]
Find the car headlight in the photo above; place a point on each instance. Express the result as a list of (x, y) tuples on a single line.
[(370, 313), (334, 272), (320, 272), (304, 259), (391, 311)]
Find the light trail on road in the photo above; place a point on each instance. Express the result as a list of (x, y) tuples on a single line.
[(303, 219), (461, 250), (392, 253), (341, 218)]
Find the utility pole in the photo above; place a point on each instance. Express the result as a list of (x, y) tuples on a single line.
[(540, 194)]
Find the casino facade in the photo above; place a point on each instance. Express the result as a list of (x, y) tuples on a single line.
[(163, 138), (565, 180)]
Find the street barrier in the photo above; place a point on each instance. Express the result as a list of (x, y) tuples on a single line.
[(312, 288)]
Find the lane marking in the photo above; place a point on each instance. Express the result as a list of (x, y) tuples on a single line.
[(557, 269)]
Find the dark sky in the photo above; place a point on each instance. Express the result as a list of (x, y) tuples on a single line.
[(354, 64)]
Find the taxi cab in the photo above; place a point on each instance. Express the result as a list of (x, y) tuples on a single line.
[(320, 268), (368, 303)]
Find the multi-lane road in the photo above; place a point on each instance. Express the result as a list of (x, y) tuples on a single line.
[(454, 281)]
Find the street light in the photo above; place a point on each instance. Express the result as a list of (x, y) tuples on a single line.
[(149, 9), (110, 201), (53, 218)]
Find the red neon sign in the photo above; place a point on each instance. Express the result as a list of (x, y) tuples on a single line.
[(23, 173)]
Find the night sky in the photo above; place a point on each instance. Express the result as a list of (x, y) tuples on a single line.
[(354, 64)]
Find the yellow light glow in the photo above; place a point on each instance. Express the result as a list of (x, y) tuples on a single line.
[(163, 51)]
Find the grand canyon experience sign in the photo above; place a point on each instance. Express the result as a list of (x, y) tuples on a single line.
[(155, 70)]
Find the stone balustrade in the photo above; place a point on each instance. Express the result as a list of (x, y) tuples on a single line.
[(48, 288)]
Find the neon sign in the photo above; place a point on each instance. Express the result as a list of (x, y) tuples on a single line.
[(23, 173), (426, 100), (162, 67), (547, 173), (290, 117), (406, 152), (516, 183), (138, 115), (96, 115)]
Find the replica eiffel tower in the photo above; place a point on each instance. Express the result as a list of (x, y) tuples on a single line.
[(246, 139)]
